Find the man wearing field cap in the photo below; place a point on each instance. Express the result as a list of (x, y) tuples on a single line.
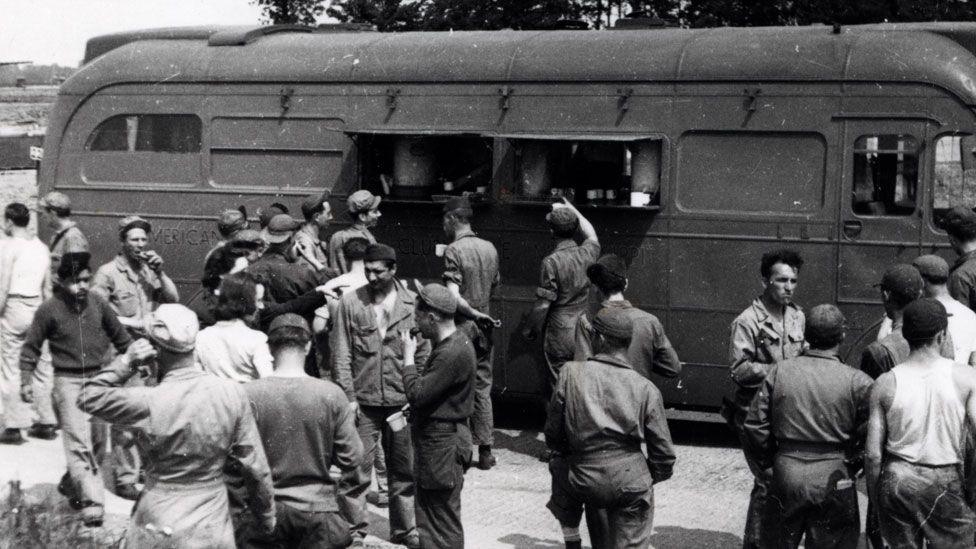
[(364, 209), (807, 423), (277, 269), (307, 426), (563, 287), (600, 413), (471, 274), (962, 320), (55, 212), (190, 426), (441, 401), (229, 223), (915, 450), (313, 252), (368, 361), (960, 224)]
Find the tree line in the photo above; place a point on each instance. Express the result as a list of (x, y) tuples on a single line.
[(405, 15)]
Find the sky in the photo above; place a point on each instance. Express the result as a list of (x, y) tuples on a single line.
[(55, 31)]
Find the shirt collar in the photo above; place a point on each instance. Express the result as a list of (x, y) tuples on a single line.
[(611, 360), (464, 233), (620, 303), (68, 225), (311, 230), (565, 243), (122, 264), (762, 314), (965, 257), (819, 353)]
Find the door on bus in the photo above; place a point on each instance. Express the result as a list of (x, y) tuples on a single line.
[(880, 217)]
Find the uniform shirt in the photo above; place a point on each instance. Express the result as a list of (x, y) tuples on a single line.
[(812, 398), (308, 236), (69, 239), (882, 355), (132, 293), (79, 335), (757, 342), (24, 268), (337, 259), (650, 350), (231, 350), (962, 279), (962, 328), (306, 426), (563, 281), (283, 279), (472, 264), (445, 390), (603, 405), (368, 366)]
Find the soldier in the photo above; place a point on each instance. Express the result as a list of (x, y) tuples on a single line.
[(25, 282), (79, 329), (919, 413), (312, 251), (563, 286), (229, 224), (193, 425), (66, 237), (441, 401), (307, 426), (367, 357), (807, 423), (283, 278), (134, 284), (962, 320), (364, 209), (960, 225), (769, 330), (650, 349), (600, 414), (471, 274)]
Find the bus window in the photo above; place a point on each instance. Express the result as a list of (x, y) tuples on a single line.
[(955, 174), (885, 175), (416, 167), (169, 133), (604, 172)]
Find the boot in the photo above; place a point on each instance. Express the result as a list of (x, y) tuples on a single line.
[(485, 458)]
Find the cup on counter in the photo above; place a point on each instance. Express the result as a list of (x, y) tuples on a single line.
[(439, 249), (397, 421), (639, 199)]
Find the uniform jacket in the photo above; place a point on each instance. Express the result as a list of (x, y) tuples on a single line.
[(131, 293), (472, 264), (369, 368), (337, 259), (563, 282), (650, 350), (882, 355), (188, 428), (962, 280), (283, 279)]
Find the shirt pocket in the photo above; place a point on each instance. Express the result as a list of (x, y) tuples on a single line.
[(362, 337), (127, 303)]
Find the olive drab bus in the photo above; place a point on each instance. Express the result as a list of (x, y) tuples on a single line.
[(692, 151)]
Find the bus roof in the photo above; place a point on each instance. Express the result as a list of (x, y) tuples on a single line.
[(940, 54)]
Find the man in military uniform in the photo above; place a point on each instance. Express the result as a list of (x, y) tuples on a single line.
[(364, 209), (312, 250), (600, 414), (563, 287), (960, 224), (471, 274), (441, 401), (769, 330), (807, 423)]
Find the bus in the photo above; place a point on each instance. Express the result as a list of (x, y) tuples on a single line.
[(693, 152)]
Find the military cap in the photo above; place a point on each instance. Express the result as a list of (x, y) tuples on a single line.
[(563, 219), (55, 200), (439, 298), (231, 221), (824, 323), (960, 221), (903, 280), (614, 322), (265, 215), (608, 266), (173, 327), (362, 201), (313, 204), (923, 319), (133, 222), (248, 236), (280, 228), (73, 263), (380, 252), (288, 320), (932, 267), (459, 204)]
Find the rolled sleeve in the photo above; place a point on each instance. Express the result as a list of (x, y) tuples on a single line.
[(452, 267)]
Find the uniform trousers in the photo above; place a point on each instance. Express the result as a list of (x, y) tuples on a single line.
[(399, 465), (482, 419), (120, 442), (17, 316), (758, 511), (921, 504), (443, 452), (812, 496), (76, 431), (296, 529)]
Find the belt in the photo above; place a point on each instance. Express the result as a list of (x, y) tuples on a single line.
[(788, 446), (892, 457), (21, 296)]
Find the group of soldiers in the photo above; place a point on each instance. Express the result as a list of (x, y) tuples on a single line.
[(304, 355)]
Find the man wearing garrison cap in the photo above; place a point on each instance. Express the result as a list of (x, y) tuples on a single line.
[(193, 424), (441, 401), (600, 413), (364, 210), (471, 274), (960, 224), (807, 423), (915, 451), (368, 361)]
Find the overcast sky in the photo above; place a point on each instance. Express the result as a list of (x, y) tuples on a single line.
[(55, 31)]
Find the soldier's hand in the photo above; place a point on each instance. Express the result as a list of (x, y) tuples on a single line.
[(140, 351), (154, 260), (487, 322), (27, 393)]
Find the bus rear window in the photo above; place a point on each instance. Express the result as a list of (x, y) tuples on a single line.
[(885, 175), (167, 133), (955, 174)]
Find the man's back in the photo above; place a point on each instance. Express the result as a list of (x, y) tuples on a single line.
[(650, 349), (284, 280), (24, 263), (306, 427), (564, 272), (962, 328), (472, 263)]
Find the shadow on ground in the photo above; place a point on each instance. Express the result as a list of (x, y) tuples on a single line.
[(524, 541), (675, 537)]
